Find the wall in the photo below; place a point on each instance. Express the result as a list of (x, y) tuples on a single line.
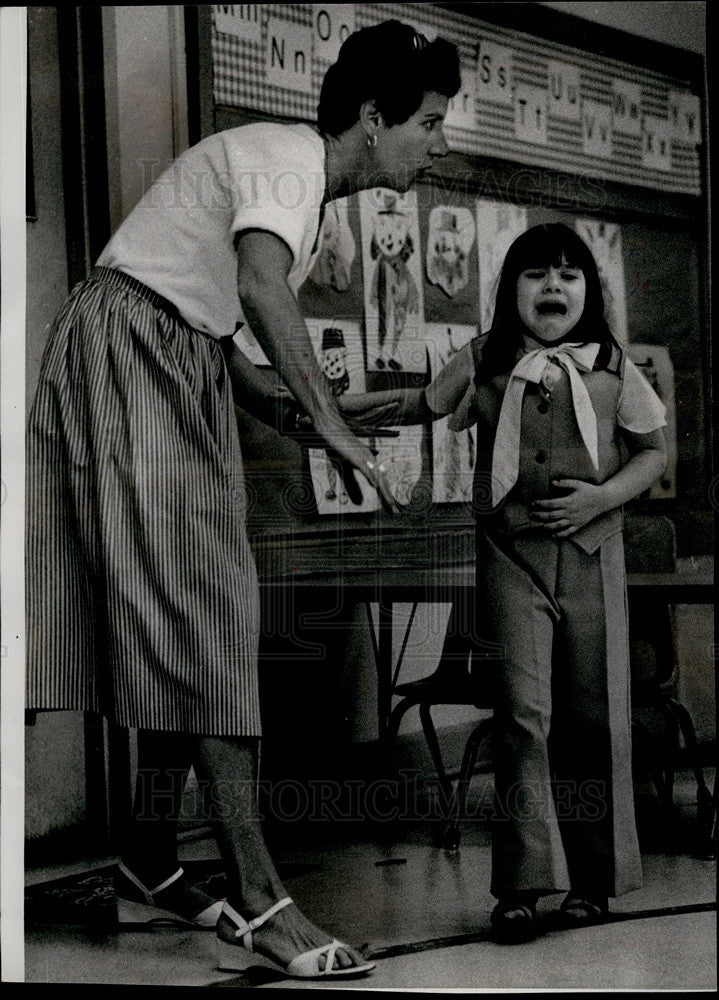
[(682, 24), (55, 745), (46, 249), (146, 125), (145, 96)]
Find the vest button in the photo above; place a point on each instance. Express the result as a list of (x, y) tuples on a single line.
[(541, 457), (543, 406)]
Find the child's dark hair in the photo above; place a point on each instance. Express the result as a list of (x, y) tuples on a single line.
[(390, 64), (543, 246)]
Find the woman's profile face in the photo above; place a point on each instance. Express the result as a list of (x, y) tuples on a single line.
[(403, 152)]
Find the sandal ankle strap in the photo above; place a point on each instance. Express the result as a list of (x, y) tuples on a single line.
[(149, 893), (246, 927)]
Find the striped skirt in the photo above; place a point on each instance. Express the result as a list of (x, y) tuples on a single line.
[(142, 597)]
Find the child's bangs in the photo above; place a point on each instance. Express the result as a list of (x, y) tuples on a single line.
[(551, 246)]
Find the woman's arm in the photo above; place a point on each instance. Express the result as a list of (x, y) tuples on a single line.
[(252, 389), (263, 263), (585, 501)]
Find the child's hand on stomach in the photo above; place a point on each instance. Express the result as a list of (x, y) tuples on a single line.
[(564, 515)]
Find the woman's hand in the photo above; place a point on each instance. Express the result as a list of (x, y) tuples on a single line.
[(350, 454), (296, 424), (564, 515)]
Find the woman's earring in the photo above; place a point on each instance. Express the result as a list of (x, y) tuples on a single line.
[(371, 141)]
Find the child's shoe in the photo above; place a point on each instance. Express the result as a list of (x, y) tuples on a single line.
[(514, 920), (583, 910)]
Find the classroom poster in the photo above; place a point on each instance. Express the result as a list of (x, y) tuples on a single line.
[(654, 363), (336, 252), (338, 348), (453, 452), (393, 294), (498, 225), (402, 459), (449, 242), (605, 241), (249, 345)]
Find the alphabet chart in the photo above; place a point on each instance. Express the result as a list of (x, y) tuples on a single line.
[(523, 98)]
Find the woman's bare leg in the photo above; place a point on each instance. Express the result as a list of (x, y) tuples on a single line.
[(149, 847), (227, 769)]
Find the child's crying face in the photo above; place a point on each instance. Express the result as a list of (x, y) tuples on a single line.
[(550, 300)]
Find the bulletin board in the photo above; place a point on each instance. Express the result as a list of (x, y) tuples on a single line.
[(523, 98), (638, 199)]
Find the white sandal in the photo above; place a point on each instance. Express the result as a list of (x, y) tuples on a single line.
[(238, 955), (198, 909)]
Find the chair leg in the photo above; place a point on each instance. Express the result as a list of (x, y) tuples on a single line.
[(708, 849), (430, 734), (669, 769), (688, 731), (469, 759), (660, 779), (390, 733), (706, 802)]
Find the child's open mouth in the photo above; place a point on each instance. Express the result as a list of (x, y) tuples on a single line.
[(551, 309)]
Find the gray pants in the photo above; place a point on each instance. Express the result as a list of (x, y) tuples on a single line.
[(563, 780)]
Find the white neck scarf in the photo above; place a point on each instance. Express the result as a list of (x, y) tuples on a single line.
[(573, 358)]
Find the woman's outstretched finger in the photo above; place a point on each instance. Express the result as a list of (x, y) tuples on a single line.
[(376, 475)]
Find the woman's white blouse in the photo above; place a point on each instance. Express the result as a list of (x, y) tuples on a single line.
[(179, 239)]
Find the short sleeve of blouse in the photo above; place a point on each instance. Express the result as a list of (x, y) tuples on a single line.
[(275, 187), (446, 391), (640, 410)]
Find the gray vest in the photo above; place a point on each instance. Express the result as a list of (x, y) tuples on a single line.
[(551, 447)]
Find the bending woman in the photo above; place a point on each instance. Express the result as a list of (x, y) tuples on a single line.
[(142, 590)]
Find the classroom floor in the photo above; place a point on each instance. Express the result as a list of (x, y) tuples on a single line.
[(421, 912)]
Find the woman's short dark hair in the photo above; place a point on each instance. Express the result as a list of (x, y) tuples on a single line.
[(544, 246), (390, 64)]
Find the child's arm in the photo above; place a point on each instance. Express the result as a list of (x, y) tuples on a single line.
[(393, 407), (585, 501), (640, 419)]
